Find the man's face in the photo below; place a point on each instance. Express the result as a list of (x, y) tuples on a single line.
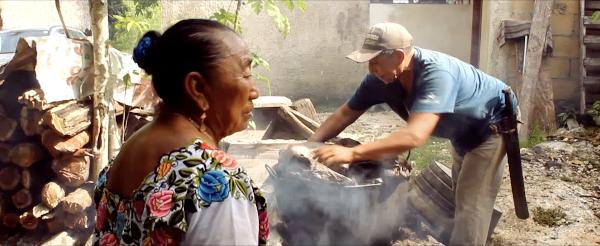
[(385, 66)]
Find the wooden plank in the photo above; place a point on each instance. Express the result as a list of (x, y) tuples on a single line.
[(310, 123), (591, 62), (271, 102), (537, 41), (476, 32), (592, 5), (286, 114), (591, 84), (587, 22)]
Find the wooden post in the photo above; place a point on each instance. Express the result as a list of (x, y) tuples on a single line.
[(99, 13), (542, 12)]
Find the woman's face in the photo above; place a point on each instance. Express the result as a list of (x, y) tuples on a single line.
[(231, 89)]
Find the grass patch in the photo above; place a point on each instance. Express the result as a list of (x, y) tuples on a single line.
[(536, 136), (435, 149), (549, 217)]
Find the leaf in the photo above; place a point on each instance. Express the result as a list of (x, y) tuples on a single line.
[(135, 231), (259, 61), (176, 218), (240, 185), (289, 4), (301, 4), (192, 162), (172, 178), (127, 80), (252, 124), (180, 157), (257, 5), (184, 172), (205, 155), (129, 25), (180, 189), (281, 21), (264, 79)]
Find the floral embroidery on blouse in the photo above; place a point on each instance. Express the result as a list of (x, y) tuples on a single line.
[(185, 180)]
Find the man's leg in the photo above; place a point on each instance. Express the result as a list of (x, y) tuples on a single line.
[(477, 185)]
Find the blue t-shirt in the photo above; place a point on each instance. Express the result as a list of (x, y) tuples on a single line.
[(467, 99)]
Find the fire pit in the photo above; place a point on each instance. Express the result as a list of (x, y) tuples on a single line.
[(360, 204)]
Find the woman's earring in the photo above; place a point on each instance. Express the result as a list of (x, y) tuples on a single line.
[(202, 118)]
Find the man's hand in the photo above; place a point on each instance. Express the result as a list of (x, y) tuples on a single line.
[(333, 155)]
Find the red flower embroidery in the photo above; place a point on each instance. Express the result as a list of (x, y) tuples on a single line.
[(160, 203), (101, 213), (138, 207), (263, 225), (226, 161), (109, 239)]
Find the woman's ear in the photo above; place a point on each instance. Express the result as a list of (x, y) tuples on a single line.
[(194, 85)]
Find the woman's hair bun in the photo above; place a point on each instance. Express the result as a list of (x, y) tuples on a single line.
[(142, 53)]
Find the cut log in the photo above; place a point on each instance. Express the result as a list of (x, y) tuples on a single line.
[(28, 221), (69, 118), (26, 178), (40, 210), (294, 123), (52, 194), (22, 199), (72, 170), (34, 99), (306, 107), (7, 128), (63, 238), (26, 154), (31, 121), (4, 150), (77, 221), (77, 201), (10, 176), (57, 144), (2, 205), (10, 220), (55, 225)]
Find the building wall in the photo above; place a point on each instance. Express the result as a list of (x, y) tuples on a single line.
[(562, 66), (441, 27), (310, 61), (42, 13)]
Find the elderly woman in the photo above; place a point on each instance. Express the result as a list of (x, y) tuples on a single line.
[(170, 184)]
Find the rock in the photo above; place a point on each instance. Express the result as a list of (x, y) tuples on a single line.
[(572, 124), (556, 146), (537, 150), (553, 164)]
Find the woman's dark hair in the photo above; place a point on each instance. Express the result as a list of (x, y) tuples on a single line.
[(190, 45)]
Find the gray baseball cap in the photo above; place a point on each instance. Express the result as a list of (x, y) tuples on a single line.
[(382, 36)]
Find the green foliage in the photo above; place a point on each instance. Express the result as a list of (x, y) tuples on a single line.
[(596, 16), (594, 111), (272, 9), (227, 18), (131, 21), (536, 136), (564, 116), (434, 149)]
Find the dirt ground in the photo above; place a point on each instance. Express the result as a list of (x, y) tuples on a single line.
[(572, 185)]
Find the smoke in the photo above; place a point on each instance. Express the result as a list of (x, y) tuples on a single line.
[(317, 211)]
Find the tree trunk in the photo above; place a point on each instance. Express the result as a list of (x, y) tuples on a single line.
[(537, 41), (101, 100), (544, 113), (69, 118)]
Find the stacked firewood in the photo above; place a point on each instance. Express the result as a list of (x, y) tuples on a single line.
[(44, 165)]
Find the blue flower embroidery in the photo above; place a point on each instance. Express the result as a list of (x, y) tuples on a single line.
[(140, 50), (120, 225), (101, 180), (214, 186)]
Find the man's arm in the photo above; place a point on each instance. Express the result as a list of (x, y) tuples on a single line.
[(336, 123)]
